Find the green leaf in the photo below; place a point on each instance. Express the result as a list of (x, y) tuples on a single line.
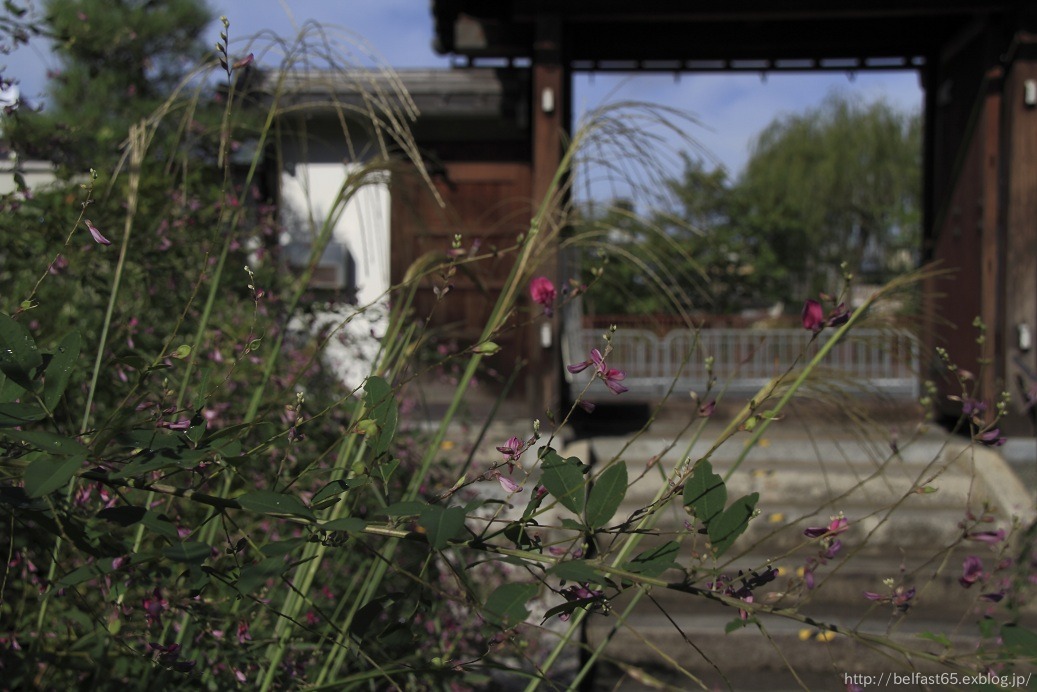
[(737, 624), (49, 442), (13, 415), (58, 371), (159, 524), (939, 638), (251, 578), (282, 548), (729, 525), (606, 495), (144, 464), (335, 488), (128, 515), (347, 524), (189, 551), (19, 355), (9, 389), (1019, 641), (563, 478), (408, 508), (517, 534), (387, 468), (576, 570), (506, 606), (269, 502), (87, 572), (47, 474), (573, 525), (570, 606), (381, 406), (653, 562), (441, 524), (197, 429), (705, 492)]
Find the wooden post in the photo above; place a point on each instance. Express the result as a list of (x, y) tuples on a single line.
[(1020, 218), (991, 285), (550, 121)]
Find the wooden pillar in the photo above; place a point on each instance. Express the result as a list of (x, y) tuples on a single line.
[(1019, 184), (550, 123), (991, 286)]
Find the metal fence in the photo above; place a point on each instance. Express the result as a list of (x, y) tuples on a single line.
[(868, 360)]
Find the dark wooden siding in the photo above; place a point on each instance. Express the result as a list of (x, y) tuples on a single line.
[(485, 202)]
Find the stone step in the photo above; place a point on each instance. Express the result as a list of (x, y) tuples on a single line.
[(894, 533), (748, 659)]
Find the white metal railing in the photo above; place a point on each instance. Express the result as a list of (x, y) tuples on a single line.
[(871, 360)]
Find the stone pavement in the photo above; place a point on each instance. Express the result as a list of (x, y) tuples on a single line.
[(904, 513)]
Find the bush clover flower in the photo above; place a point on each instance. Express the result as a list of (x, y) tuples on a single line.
[(512, 450), (988, 537), (899, 596), (509, 485), (971, 572), (834, 528), (96, 234), (154, 606), (991, 438), (814, 316), (543, 293), (610, 376)]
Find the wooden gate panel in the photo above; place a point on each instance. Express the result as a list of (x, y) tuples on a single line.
[(489, 205)]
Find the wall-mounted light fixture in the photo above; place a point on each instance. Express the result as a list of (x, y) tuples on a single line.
[(547, 100)]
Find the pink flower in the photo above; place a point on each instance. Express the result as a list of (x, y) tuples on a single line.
[(543, 293), (813, 316), (971, 571), (181, 424), (244, 62), (991, 438), (611, 376), (989, 537), (98, 238), (154, 606), (512, 449), (834, 528), (509, 485), (900, 597)]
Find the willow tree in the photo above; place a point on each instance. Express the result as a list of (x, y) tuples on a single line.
[(839, 183)]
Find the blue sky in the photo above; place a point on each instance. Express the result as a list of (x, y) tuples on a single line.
[(731, 108)]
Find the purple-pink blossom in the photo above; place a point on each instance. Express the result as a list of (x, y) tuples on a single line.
[(509, 485), (154, 606), (991, 438), (543, 293), (814, 317), (971, 572), (834, 528), (512, 449), (989, 537), (900, 597), (611, 376), (96, 234)]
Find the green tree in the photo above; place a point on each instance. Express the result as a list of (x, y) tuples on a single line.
[(738, 267), (118, 59), (839, 183)]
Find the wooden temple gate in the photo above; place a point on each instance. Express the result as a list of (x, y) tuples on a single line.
[(978, 66)]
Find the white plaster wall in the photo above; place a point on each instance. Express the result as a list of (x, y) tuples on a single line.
[(311, 194)]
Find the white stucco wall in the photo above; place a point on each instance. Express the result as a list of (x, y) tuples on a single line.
[(311, 193)]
